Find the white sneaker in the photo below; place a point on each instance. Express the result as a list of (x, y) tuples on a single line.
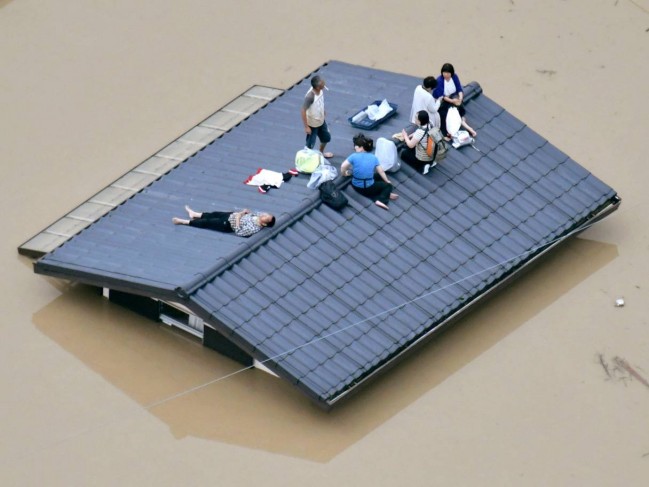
[(426, 169)]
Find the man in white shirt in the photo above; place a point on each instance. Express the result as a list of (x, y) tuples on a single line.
[(423, 99), (313, 116)]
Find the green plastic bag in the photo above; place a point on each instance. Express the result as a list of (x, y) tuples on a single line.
[(308, 160)]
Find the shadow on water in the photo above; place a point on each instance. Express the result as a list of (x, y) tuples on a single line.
[(151, 363)]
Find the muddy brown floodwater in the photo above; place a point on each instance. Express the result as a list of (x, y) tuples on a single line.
[(545, 384)]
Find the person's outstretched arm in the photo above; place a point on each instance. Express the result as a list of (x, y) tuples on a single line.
[(346, 168), (410, 140), (381, 173)]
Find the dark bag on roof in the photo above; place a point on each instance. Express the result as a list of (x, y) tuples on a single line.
[(332, 196)]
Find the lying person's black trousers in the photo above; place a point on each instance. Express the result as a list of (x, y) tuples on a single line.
[(215, 220)]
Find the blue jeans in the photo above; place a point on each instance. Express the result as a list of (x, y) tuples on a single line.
[(321, 132)]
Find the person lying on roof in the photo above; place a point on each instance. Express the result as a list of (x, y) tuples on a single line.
[(242, 223)]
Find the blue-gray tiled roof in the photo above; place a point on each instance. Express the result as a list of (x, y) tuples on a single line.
[(326, 299)]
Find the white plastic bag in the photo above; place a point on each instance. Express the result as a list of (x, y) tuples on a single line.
[(453, 121), (372, 112), (324, 172), (462, 138), (377, 112), (453, 124), (384, 108), (386, 153)]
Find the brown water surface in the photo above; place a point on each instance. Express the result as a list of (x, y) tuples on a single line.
[(540, 385)]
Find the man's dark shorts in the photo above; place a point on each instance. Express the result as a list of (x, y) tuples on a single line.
[(321, 133)]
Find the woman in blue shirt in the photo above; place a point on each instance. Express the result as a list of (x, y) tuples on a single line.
[(368, 177)]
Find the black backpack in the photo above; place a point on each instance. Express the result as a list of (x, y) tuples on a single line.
[(332, 196)]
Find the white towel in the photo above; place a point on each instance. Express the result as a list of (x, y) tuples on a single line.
[(265, 176)]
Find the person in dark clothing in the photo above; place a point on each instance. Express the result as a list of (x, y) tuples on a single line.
[(242, 223)]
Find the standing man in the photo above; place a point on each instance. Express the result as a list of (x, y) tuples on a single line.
[(313, 116), (423, 99)]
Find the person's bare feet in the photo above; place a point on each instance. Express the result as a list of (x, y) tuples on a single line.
[(394, 196), (179, 221), (381, 205), (192, 214)]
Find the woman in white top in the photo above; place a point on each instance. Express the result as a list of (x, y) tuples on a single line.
[(449, 89)]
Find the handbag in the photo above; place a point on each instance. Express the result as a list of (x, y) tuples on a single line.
[(429, 145)]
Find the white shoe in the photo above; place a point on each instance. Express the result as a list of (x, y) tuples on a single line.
[(426, 169)]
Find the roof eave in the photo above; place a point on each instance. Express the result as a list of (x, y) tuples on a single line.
[(158, 290)]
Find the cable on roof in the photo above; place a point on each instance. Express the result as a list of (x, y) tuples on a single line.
[(360, 322)]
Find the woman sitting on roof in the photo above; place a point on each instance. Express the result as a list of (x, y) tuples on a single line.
[(415, 154), (368, 177), (449, 89), (242, 223)]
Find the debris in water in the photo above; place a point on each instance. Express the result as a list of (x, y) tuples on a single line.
[(604, 365), (620, 362), (619, 370)]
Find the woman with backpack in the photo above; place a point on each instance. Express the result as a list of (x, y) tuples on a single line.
[(368, 177), (415, 153)]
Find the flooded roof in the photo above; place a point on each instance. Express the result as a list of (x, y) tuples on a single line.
[(328, 299)]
